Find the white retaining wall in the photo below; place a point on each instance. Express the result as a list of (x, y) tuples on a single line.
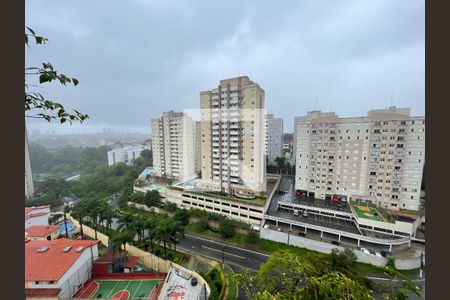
[(294, 240)]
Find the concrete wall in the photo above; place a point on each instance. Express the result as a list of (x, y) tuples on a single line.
[(282, 237)]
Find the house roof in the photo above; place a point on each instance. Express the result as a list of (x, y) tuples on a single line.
[(51, 264), (41, 230), (131, 262), (30, 211)]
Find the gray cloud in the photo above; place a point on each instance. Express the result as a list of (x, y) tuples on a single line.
[(135, 59)]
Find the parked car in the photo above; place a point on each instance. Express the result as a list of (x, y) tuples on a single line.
[(267, 226), (279, 229), (343, 201), (255, 228), (335, 243), (378, 254), (386, 254), (296, 212), (305, 214), (364, 250), (372, 252), (298, 193)]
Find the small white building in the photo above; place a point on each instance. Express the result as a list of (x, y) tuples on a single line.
[(58, 268), (36, 215), (125, 154)]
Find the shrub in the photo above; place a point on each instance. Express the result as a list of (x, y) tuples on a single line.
[(227, 228), (182, 216), (252, 237), (202, 225)]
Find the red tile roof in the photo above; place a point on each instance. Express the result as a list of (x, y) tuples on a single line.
[(131, 262), (53, 263), (29, 212), (41, 230)]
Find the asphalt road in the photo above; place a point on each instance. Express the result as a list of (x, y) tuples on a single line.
[(236, 258)]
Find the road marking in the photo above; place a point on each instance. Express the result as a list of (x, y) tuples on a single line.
[(211, 241), (213, 249), (227, 263)]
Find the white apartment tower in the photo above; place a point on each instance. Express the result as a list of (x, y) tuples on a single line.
[(233, 137), (378, 158), (294, 144), (29, 186), (173, 144), (274, 137), (125, 154)]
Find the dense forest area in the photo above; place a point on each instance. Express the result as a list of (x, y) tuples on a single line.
[(98, 181)]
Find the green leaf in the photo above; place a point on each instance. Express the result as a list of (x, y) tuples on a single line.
[(30, 30), (44, 78)]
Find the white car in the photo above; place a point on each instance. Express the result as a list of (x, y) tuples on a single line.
[(295, 212), (364, 250), (267, 226), (378, 254)]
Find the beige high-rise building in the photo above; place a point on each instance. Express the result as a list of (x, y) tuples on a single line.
[(378, 158), (233, 137), (29, 186), (173, 144), (198, 147)]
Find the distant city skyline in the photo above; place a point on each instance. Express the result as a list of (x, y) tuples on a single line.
[(346, 57)]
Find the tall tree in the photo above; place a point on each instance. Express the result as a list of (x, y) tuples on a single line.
[(66, 211)]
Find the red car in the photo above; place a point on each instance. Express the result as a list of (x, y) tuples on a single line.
[(298, 193), (335, 198)]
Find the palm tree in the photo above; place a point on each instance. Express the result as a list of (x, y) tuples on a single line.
[(150, 225), (163, 233), (66, 211), (108, 215), (80, 212), (125, 222), (175, 229)]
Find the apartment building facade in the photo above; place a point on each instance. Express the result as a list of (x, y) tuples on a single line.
[(274, 138), (294, 143), (174, 145), (124, 154), (233, 137), (379, 158)]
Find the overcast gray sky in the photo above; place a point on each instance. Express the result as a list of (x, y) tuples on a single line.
[(136, 59)]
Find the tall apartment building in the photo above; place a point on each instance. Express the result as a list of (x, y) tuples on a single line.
[(173, 144), (198, 147), (294, 149), (379, 158), (124, 154), (274, 137), (29, 186), (233, 137)]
